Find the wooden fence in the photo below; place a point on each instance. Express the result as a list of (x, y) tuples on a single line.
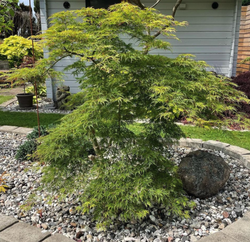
[(244, 40)]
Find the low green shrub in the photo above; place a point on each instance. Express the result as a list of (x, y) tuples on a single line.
[(25, 150)]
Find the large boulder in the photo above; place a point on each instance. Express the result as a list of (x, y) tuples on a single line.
[(203, 174)]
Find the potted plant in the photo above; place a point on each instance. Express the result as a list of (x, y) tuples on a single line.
[(25, 100), (36, 74)]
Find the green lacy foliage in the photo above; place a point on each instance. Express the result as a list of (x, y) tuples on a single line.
[(16, 47), (122, 82), (7, 12), (25, 150)]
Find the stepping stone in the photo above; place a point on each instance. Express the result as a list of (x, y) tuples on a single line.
[(23, 232), (6, 221), (2, 240), (22, 130), (7, 128)]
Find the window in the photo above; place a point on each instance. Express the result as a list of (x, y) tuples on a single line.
[(101, 3)]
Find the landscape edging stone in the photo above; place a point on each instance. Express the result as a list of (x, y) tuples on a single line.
[(243, 155), (3, 105)]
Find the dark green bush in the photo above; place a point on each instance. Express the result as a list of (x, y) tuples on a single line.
[(25, 150)]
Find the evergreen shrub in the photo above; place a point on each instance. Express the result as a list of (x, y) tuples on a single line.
[(26, 150), (123, 81)]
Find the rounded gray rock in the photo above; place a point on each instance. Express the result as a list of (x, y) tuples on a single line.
[(203, 174)]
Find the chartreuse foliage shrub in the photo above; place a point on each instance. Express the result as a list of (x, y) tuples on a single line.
[(14, 48), (127, 172)]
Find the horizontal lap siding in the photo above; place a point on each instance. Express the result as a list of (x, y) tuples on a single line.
[(237, 40), (54, 7), (208, 35)]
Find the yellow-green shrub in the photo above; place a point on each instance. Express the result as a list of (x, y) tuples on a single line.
[(16, 47)]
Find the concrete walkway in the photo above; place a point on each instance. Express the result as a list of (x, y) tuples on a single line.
[(12, 230)]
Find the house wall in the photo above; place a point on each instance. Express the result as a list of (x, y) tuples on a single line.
[(211, 35)]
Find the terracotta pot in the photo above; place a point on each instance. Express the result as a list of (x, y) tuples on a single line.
[(25, 100)]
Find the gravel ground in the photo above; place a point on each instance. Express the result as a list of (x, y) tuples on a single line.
[(209, 216), (45, 106)]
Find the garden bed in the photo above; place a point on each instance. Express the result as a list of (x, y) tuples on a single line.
[(209, 216)]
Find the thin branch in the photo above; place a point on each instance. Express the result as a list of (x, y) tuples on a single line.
[(81, 55), (138, 3), (177, 4), (72, 52), (93, 138), (155, 4), (55, 63)]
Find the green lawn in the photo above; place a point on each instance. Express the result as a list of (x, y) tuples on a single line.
[(5, 98), (241, 139), (28, 120)]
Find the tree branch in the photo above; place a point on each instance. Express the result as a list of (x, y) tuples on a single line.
[(93, 138), (72, 52), (155, 4), (54, 63), (81, 55), (138, 3), (177, 4)]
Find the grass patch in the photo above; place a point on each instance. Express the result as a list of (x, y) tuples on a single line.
[(28, 120), (241, 139), (5, 98)]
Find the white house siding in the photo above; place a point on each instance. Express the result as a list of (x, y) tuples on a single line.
[(237, 31), (208, 36), (54, 6)]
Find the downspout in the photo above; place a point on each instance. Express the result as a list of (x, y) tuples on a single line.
[(231, 61)]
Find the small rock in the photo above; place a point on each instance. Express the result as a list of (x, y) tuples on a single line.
[(222, 226), (238, 212), (73, 224), (44, 226), (225, 214), (79, 234)]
